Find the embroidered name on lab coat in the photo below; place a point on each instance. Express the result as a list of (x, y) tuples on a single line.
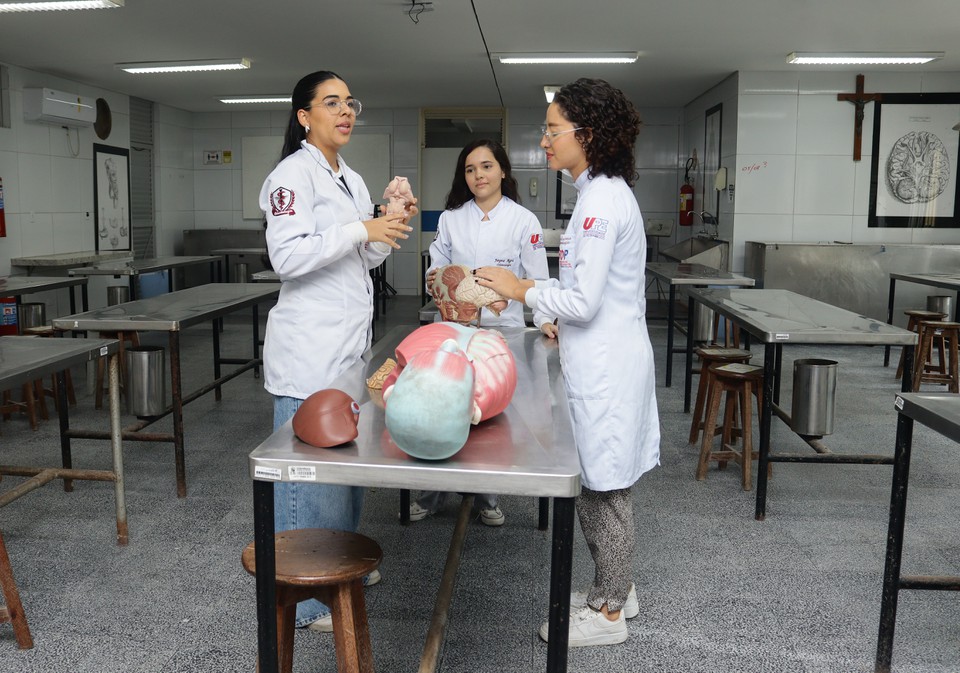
[(281, 201)]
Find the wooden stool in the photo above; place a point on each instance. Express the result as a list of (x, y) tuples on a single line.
[(946, 374), (914, 318), (710, 356), (123, 338), (328, 565), (50, 331), (32, 402), (739, 381), (12, 611)]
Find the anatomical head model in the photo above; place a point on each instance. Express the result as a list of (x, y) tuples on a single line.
[(447, 377), (460, 298), (399, 195)]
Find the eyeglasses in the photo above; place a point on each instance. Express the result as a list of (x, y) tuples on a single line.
[(550, 135), (334, 105)]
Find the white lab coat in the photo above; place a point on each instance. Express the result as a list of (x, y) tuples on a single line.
[(512, 238), (316, 242), (605, 349)]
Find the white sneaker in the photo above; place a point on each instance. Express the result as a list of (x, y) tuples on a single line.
[(417, 512), (323, 624), (373, 578), (578, 601), (589, 627), (492, 516)]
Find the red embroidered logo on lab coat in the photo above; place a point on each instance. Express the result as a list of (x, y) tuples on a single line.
[(536, 241), (595, 227), (281, 201)]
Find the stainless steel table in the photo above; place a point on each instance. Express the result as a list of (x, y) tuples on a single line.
[(527, 450), (239, 252), (16, 286), (265, 276), (939, 412), (948, 281), (63, 260), (688, 275), (778, 317), (25, 359), (132, 270), (172, 313)]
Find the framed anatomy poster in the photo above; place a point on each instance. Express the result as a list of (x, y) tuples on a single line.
[(913, 173), (111, 197)]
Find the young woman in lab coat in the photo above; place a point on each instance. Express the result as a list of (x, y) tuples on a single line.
[(484, 223), (322, 240), (604, 346)]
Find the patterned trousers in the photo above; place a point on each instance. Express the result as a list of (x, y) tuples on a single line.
[(606, 518)]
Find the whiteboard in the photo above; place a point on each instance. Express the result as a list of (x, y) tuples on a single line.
[(368, 155)]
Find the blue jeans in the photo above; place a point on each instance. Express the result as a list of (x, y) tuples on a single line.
[(306, 505)]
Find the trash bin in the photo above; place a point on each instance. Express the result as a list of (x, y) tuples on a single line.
[(32, 314), (941, 303), (240, 273), (145, 386), (117, 294), (814, 396), (702, 323)]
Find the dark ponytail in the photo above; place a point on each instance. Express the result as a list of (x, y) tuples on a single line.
[(302, 96)]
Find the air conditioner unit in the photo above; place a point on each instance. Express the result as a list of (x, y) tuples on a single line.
[(58, 107)]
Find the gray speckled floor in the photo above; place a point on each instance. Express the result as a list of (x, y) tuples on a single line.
[(797, 593)]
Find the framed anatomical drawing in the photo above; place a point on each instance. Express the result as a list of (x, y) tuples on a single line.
[(913, 175), (111, 197)]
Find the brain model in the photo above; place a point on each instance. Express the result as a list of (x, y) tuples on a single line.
[(460, 298), (447, 377), (398, 195)]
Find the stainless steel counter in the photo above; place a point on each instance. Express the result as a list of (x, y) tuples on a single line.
[(25, 359), (527, 450), (67, 259), (16, 286), (138, 267)]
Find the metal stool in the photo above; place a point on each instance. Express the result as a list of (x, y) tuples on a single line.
[(328, 565), (710, 356), (914, 318), (946, 373), (739, 381)]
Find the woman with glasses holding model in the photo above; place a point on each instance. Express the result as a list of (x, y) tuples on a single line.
[(322, 239), (604, 345)]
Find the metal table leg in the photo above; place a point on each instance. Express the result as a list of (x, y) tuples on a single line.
[(671, 316), (688, 375), (561, 565), (766, 416), (265, 552)]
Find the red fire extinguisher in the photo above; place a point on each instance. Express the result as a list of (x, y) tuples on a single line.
[(686, 194), (3, 218)]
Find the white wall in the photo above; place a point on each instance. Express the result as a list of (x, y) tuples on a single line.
[(794, 171)]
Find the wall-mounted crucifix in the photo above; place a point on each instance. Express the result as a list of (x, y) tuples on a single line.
[(859, 99)]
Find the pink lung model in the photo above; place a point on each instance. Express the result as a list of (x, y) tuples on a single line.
[(398, 195), (460, 298), (447, 377)]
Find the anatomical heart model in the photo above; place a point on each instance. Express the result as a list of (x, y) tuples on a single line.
[(447, 377), (460, 298), (398, 195)]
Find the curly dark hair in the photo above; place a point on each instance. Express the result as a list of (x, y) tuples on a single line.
[(610, 126), (459, 191)]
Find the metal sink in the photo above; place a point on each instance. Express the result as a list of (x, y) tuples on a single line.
[(711, 252)]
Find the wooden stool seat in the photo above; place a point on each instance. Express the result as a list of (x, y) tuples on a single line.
[(914, 318), (710, 356), (937, 333), (328, 565), (740, 382)]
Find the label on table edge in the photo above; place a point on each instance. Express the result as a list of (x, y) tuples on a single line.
[(781, 337), (103, 350), (898, 403), (302, 473), (272, 473)]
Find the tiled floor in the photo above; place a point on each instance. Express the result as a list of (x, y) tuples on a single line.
[(718, 590)]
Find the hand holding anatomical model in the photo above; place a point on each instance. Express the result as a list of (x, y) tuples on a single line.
[(399, 196), (460, 298)]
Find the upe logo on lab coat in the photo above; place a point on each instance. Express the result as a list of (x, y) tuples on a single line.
[(594, 226), (536, 241)]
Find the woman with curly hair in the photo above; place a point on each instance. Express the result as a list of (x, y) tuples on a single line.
[(604, 345)]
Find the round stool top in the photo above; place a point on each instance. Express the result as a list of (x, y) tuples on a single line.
[(318, 556), (929, 315), (940, 324), (723, 353)]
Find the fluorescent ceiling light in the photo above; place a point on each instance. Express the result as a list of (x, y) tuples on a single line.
[(550, 91), (612, 57), (256, 99), (184, 66), (863, 58), (54, 6)]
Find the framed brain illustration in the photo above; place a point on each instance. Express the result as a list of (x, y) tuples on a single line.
[(913, 176)]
